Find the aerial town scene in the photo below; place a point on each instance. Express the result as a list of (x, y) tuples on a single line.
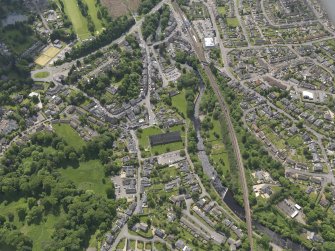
[(167, 125)]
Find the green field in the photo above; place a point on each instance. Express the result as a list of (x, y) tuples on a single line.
[(143, 136), (71, 137), (38, 233), (121, 244), (232, 22), (79, 22), (42, 232), (179, 102), (157, 150), (92, 11), (221, 10), (42, 74), (88, 176)]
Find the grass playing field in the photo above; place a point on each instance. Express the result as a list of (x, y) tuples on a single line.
[(47, 55), (42, 60)]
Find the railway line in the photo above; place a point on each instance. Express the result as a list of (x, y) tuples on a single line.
[(201, 56)]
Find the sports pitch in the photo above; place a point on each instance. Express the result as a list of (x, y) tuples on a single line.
[(47, 55)]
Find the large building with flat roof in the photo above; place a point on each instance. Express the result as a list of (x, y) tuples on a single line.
[(165, 138)]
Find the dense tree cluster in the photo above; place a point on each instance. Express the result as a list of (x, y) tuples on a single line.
[(183, 57), (83, 8), (152, 22), (11, 238), (150, 25), (146, 6), (18, 74), (31, 172), (189, 81)]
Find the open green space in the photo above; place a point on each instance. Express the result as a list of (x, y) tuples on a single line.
[(148, 245), (179, 102), (143, 136), (140, 245), (79, 22), (92, 11), (121, 244), (232, 22), (221, 10), (69, 135), (42, 232), (38, 233), (132, 244), (156, 150), (42, 74), (88, 176)]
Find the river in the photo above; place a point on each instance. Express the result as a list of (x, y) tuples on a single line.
[(275, 238)]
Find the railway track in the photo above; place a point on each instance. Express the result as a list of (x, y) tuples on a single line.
[(197, 46)]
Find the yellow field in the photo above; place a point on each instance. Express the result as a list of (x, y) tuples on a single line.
[(47, 55), (51, 52), (42, 60)]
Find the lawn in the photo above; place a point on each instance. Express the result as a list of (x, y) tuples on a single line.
[(143, 136), (232, 22), (92, 11), (140, 245), (79, 22), (71, 137), (121, 244), (295, 141), (42, 232), (160, 246), (216, 129), (42, 74), (157, 150), (221, 10), (179, 102), (88, 176), (132, 244)]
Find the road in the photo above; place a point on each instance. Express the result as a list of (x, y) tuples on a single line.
[(125, 234), (139, 170), (45, 23), (147, 102), (199, 224), (201, 56)]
